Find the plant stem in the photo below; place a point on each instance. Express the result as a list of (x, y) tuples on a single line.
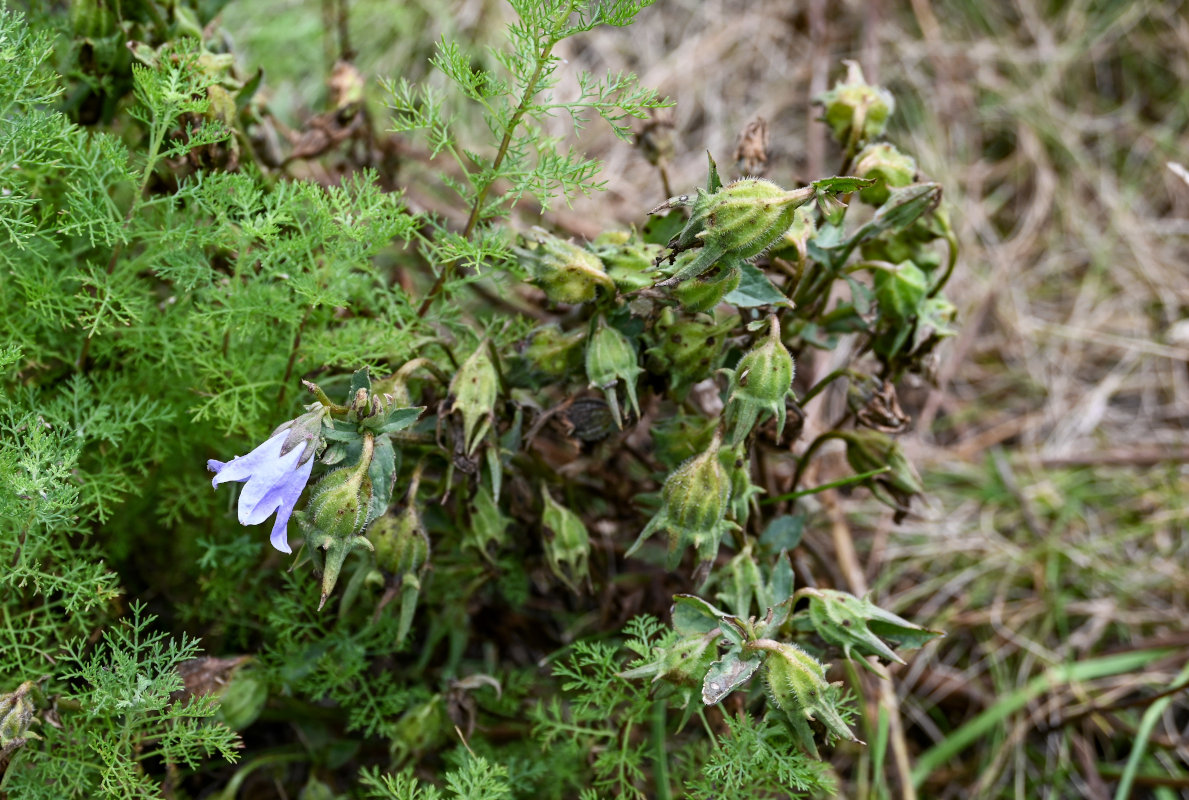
[(530, 91), (292, 357)]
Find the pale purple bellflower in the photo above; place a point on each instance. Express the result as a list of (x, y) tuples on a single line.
[(275, 478)]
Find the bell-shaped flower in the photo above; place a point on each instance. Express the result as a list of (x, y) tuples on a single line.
[(274, 477)]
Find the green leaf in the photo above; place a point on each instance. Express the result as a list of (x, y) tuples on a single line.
[(784, 532), (397, 419), (713, 182), (382, 474), (659, 230), (900, 291), (359, 380), (842, 184), (755, 290), (693, 616), (341, 431), (728, 674)]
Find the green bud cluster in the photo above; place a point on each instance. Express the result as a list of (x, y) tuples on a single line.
[(856, 111), (566, 272), (760, 383), (688, 348), (611, 358), (567, 542), (695, 500)]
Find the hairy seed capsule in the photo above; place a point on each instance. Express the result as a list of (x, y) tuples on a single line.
[(737, 222), (760, 383), (475, 389), (888, 166), (856, 111), (566, 272), (611, 358), (695, 500)]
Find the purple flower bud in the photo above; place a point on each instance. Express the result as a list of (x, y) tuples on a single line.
[(274, 481)]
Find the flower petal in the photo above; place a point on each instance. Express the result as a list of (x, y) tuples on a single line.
[(284, 497), (241, 468), (256, 501)]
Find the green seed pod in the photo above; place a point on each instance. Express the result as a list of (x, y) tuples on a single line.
[(553, 353), (856, 625), (16, 715), (737, 463), (475, 389), (855, 111), (739, 221), (611, 358), (886, 164), (339, 502), (567, 542), (402, 554), (682, 664), (688, 348), (797, 685), (868, 450), (760, 383), (566, 272), (706, 291), (697, 494), (336, 513), (695, 500), (629, 260), (242, 701), (400, 543)]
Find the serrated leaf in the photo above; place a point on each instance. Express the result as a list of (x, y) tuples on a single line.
[(728, 674), (755, 290)]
